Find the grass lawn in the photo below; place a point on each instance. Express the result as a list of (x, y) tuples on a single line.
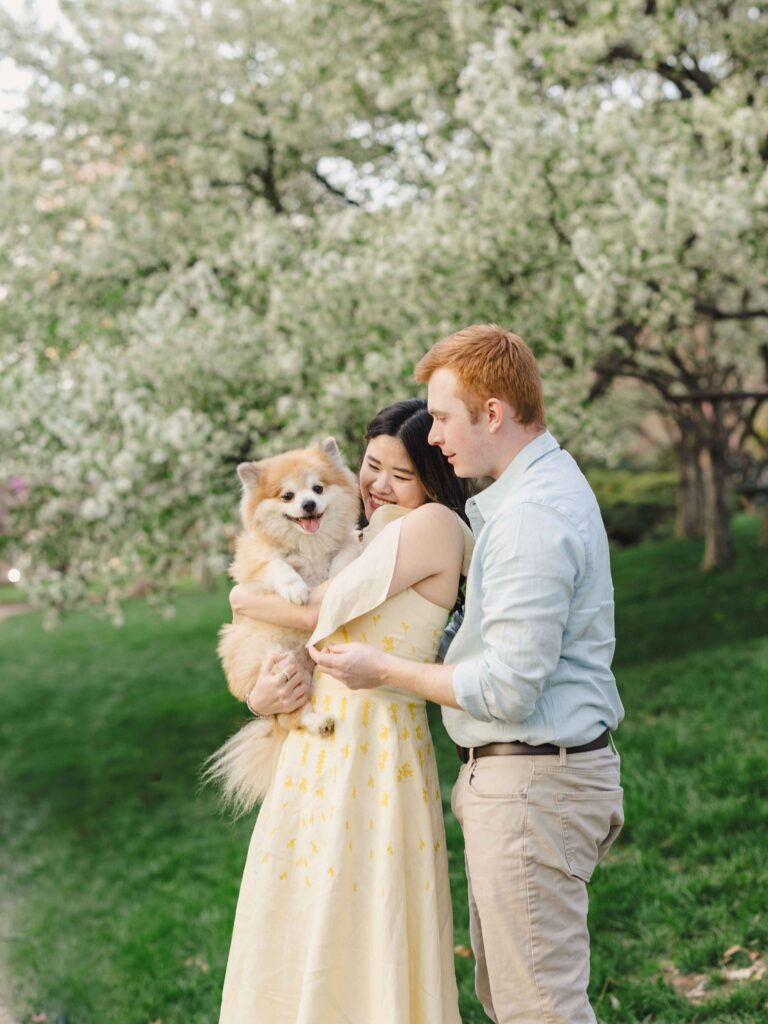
[(119, 878)]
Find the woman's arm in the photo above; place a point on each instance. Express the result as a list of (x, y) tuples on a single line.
[(275, 609), (429, 554)]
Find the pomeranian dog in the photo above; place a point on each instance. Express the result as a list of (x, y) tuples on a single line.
[(299, 511)]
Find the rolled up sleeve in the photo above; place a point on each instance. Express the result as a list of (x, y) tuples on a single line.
[(530, 566)]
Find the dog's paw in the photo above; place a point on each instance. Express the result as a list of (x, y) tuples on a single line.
[(296, 591)]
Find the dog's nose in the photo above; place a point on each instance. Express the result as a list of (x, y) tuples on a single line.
[(309, 506)]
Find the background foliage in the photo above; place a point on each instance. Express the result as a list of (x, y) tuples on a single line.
[(229, 227)]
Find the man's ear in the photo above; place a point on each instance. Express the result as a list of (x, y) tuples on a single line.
[(331, 449), (249, 474), (495, 412)]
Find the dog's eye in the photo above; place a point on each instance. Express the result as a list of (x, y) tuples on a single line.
[(288, 496), (318, 488)]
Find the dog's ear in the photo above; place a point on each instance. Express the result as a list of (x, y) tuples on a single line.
[(249, 474), (331, 449)]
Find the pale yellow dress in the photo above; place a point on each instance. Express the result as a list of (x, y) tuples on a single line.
[(344, 914)]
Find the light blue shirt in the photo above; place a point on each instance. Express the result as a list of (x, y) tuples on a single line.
[(533, 654)]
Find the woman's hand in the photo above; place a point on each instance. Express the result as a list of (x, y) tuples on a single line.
[(281, 686)]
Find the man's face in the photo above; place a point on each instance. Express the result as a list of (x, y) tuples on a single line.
[(465, 444)]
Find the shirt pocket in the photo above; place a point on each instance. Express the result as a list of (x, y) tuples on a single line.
[(590, 822)]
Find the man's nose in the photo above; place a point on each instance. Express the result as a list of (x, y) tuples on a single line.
[(432, 436)]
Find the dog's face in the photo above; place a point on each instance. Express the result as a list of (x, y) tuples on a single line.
[(300, 493)]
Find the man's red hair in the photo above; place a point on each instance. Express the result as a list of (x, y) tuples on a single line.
[(489, 362)]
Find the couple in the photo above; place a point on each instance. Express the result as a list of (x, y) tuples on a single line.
[(344, 915)]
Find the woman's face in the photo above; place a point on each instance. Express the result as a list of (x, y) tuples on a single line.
[(387, 476)]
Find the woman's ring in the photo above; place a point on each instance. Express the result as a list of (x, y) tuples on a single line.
[(286, 676)]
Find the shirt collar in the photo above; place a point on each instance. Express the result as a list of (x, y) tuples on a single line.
[(489, 500)]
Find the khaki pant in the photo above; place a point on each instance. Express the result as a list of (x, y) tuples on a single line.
[(534, 829)]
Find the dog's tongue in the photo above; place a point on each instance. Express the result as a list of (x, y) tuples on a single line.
[(311, 524)]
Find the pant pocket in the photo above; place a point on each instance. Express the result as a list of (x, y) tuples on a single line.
[(590, 823)]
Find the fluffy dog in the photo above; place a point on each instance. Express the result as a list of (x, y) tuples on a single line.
[(298, 512)]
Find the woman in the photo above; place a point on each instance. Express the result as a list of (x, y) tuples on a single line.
[(344, 911)]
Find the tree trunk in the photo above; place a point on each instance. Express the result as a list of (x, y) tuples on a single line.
[(718, 545), (689, 516)]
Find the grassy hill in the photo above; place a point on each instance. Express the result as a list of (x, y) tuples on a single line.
[(119, 877)]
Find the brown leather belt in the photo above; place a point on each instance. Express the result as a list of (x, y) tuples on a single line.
[(505, 749)]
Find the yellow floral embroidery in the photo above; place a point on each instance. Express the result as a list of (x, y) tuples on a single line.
[(364, 638), (394, 710), (390, 850), (370, 823), (383, 732), (309, 884), (303, 785), (371, 781), (405, 626), (419, 733), (283, 876), (412, 712), (265, 858), (343, 709), (437, 793), (422, 845), (425, 794), (320, 761), (289, 782), (389, 643), (315, 849), (404, 772), (327, 702), (384, 799), (331, 872), (413, 649), (291, 843), (366, 711), (364, 748), (354, 792), (345, 750), (437, 844), (349, 845), (405, 733), (305, 753), (383, 759), (345, 634), (420, 752), (376, 617), (320, 791), (354, 887)]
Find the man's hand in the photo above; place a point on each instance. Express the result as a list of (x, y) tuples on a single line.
[(358, 666)]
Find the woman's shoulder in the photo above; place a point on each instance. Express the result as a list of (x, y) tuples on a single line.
[(433, 515)]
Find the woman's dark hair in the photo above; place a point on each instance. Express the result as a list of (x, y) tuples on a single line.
[(410, 422)]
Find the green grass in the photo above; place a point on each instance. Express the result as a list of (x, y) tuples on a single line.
[(119, 878)]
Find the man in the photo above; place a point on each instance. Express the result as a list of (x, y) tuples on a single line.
[(527, 690)]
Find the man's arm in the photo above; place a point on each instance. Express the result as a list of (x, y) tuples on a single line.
[(361, 667)]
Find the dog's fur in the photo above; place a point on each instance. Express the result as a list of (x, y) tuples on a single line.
[(298, 512)]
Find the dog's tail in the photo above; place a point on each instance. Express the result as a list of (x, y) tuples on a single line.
[(245, 765)]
